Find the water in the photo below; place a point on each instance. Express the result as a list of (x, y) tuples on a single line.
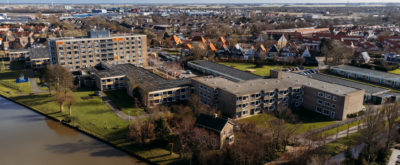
[(27, 137)]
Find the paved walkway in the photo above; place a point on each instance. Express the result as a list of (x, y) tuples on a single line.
[(394, 158), (33, 82), (117, 112)]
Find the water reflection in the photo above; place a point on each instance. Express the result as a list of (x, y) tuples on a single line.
[(61, 130)]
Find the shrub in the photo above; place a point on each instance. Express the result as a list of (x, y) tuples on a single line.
[(232, 66)]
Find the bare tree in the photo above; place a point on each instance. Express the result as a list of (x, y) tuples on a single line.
[(392, 113), (373, 125), (71, 101), (60, 98)]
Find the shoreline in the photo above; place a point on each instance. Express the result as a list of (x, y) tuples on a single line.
[(86, 132)]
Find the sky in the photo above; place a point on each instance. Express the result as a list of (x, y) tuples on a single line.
[(197, 1)]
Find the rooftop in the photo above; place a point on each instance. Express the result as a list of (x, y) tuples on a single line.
[(147, 80), (226, 70), (368, 89), (288, 80), (39, 53), (369, 72), (211, 122)]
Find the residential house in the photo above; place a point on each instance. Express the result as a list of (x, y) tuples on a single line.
[(273, 51), (185, 50), (222, 127), (237, 52), (175, 40), (261, 52), (223, 51), (198, 39)]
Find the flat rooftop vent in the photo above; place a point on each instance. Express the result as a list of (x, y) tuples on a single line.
[(265, 82), (338, 90), (238, 85), (309, 83), (226, 87)]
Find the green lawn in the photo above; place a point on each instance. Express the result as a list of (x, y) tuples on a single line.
[(259, 71), (341, 128), (396, 71), (310, 120), (124, 100), (341, 144), (10, 76)]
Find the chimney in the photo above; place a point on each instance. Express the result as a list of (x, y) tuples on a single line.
[(215, 115)]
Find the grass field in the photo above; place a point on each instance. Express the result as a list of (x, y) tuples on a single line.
[(11, 76), (259, 71), (310, 120), (121, 99), (397, 71), (341, 144)]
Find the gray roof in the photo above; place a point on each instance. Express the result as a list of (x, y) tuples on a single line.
[(226, 70), (368, 89), (147, 80), (368, 72), (211, 122), (39, 53)]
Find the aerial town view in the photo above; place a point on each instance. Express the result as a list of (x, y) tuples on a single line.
[(200, 82)]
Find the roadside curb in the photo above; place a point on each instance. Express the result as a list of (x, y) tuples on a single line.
[(84, 131)]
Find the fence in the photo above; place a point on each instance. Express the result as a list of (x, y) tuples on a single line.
[(10, 85), (332, 126)]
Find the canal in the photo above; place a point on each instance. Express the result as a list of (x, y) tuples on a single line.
[(27, 137)]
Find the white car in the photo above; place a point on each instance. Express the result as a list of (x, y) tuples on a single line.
[(363, 108)]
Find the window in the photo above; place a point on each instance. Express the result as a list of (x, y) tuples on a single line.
[(60, 48), (82, 42), (62, 58), (285, 92), (297, 104), (298, 97), (239, 106), (245, 105), (245, 98), (238, 99), (62, 63), (62, 53), (83, 46), (333, 106), (285, 105), (258, 109), (280, 99), (74, 42), (320, 94), (76, 57), (319, 101), (326, 112), (285, 99), (272, 107), (319, 109), (272, 100), (200, 86), (327, 104), (332, 114), (334, 98), (327, 96), (245, 112), (258, 102)]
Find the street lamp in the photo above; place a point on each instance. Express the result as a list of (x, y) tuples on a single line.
[(129, 116)]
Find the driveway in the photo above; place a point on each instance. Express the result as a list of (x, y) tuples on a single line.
[(393, 158)]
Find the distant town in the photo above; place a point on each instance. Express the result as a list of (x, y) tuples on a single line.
[(203, 84)]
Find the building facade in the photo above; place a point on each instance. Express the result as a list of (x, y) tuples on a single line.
[(99, 46)]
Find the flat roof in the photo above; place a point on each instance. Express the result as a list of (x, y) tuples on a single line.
[(369, 72), (268, 84), (368, 89), (147, 80), (226, 70), (35, 53)]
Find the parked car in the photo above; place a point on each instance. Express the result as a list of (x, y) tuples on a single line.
[(296, 68), (312, 71), (302, 68), (286, 69), (97, 93), (398, 156), (158, 47), (302, 73), (291, 69), (363, 109), (188, 72), (307, 72)]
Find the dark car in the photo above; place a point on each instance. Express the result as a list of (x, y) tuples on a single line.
[(302, 67), (97, 93)]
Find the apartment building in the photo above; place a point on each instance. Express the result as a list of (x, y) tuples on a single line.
[(149, 87), (99, 46), (280, 90)]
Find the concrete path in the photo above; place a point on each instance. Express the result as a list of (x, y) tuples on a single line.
[(33, 82), (117, 112), (394, 156)]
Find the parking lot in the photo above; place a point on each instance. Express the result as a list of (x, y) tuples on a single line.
[(302, 71)]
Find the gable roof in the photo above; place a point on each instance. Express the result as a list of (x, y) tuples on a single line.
[(187, 46), (176, 39), (211, 122), (198, 39), (274, 49), (221, 39), (212, 47)]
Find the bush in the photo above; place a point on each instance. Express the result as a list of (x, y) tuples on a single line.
[(397, 147), (232, 66)]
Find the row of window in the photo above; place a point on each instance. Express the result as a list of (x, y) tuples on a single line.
[(326, 104), (97, 41), (166, 93), (327, 96), (97, 51), (97, 55), (325, 112), (110, 48)]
